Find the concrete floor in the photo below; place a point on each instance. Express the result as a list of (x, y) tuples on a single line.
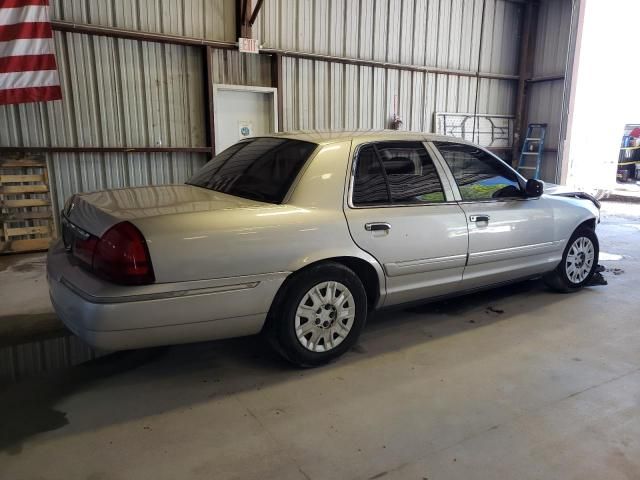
[(24, 287), (518, 383), (25, 309)]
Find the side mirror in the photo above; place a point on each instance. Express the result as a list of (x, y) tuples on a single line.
[(534, 188)]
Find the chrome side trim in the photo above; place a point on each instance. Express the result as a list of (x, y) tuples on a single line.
[(159, 295), (513, 252), (499, 200), (425, 265), (395, 205)]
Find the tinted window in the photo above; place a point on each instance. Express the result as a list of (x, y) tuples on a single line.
[(479, 175), (409, 175), (369, 184), (260, 169)]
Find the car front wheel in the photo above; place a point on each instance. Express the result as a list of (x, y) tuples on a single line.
[(579, 262), (319, 314)]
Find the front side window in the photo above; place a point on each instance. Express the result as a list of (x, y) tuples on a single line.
[(479, 175), (395, 172), (260, 169)]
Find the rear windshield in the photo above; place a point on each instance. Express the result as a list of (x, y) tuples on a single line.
[(260, 169)]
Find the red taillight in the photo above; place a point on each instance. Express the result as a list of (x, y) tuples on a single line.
[(121, 256)]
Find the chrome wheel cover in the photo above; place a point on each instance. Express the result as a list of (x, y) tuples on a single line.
[(579, 260), (325, 316)]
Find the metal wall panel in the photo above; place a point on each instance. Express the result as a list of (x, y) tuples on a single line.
[(545, 106), (116, 93), (552, 40), (210, 19), (442, 33), (234, 68), (324, 95), (550, 59)]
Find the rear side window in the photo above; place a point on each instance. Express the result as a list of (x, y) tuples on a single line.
[(479, 175), (259, 169), (395, 172), (369, 183)]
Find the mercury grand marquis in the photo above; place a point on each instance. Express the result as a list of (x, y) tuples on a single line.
[(300, 235)]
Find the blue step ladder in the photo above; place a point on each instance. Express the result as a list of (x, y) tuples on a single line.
[(532, 149)]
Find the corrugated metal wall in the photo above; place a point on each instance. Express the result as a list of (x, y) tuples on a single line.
[(439, 33), (116, 93), (210, 19), (324, 95), (545, 98), (442, 33), (233, 68)]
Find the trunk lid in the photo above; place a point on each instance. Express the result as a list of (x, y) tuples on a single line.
[(96, 212)]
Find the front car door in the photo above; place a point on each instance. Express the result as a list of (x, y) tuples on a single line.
[(510, 236), (400, 210)]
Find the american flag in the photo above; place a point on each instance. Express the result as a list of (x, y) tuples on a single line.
[(27, 61)]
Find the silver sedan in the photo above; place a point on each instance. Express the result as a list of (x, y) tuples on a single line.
[(301, 235)]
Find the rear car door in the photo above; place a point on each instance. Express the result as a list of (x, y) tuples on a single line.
[(510, 236), (401, 212)]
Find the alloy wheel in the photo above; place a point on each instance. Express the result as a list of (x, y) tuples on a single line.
[(325, 316), (580, 260)]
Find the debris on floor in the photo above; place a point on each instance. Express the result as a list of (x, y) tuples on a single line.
[(597, 278), (615, 271), (497, 311)]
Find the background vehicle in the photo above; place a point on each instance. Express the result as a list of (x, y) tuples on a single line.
[(300, 235)]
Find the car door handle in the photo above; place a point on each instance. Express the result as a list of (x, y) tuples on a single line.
[(376, 226), (479, 218)]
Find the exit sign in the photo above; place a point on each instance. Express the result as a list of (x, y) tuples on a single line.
[(248, 45)]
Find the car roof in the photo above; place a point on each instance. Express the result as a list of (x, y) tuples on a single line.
[(324, 137)]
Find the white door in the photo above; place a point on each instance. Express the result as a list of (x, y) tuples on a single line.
[(242, 112)]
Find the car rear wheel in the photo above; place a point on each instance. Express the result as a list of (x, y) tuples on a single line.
[(318, 315), (578, 264)]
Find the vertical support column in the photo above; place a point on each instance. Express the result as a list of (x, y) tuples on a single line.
[(239, 17), (276, 82), (529, 28), (243, 16), (569, 91), (208, 95)]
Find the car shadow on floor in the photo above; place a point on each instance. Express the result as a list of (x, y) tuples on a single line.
[(198, 373)]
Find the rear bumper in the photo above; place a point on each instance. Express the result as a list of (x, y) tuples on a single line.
[(110, 317)]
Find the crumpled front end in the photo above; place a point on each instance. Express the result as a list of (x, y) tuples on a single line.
[(565, 191)]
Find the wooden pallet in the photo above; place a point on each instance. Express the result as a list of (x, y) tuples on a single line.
[(25, 205)]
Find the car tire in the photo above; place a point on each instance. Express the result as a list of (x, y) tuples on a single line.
[(579, 262), (318, 314)]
